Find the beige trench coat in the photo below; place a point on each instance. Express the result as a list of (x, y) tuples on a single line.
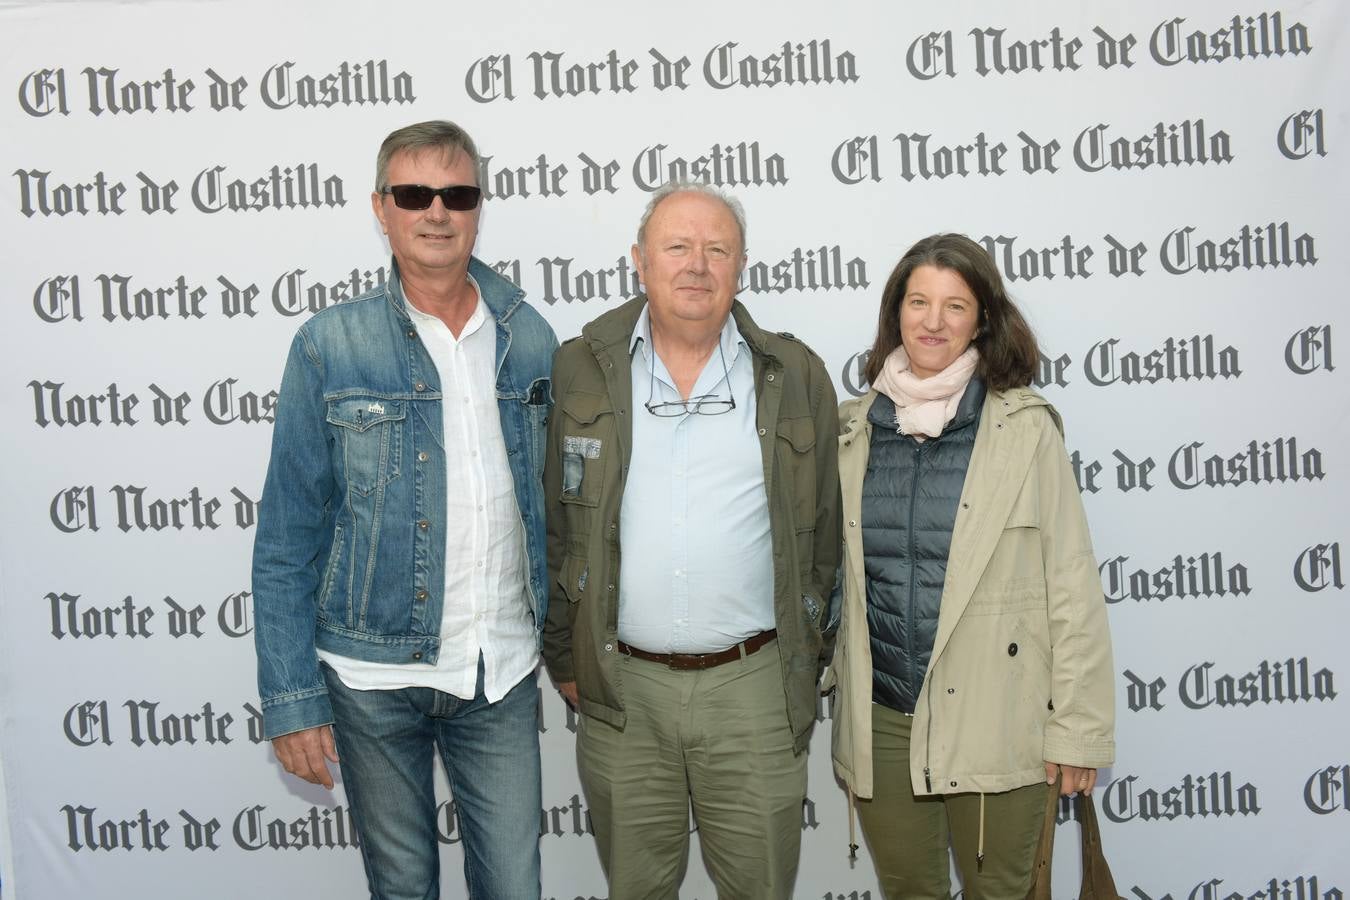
[(1021, 669)]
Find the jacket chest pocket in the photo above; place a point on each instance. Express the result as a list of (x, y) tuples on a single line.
[(370, 431), (797, 452), (587, 444)]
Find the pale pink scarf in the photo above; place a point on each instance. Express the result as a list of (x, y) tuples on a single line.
[(924, 406)]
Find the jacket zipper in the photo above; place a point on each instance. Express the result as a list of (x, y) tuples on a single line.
[(913, 569), (913, 493)]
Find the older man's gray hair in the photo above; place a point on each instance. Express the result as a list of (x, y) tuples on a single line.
[(670, 188)]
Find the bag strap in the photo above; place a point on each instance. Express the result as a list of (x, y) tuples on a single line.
[(1041, 870), (1097, 881)]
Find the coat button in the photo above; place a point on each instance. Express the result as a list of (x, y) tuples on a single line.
[(761, 432), (1012, 649), (951, 690), (953, 784), (1050, 706), (852, 523), (609, 647), (769, 377)]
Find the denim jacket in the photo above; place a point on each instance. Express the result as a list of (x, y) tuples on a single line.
[(350, 549)]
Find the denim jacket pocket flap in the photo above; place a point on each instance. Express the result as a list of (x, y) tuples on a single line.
[(800, 432), (585, 408), (362, 413)]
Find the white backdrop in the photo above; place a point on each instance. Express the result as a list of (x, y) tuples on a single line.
[(1163, 183)]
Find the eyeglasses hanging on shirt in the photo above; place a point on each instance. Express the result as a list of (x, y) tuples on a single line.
[(699, 405)]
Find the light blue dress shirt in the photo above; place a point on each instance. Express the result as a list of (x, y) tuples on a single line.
[(697, 573)]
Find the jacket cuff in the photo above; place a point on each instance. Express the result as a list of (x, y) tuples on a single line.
[(286, 715), (1087, 753)]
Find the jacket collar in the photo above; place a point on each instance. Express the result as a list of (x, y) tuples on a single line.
[(500, 295)]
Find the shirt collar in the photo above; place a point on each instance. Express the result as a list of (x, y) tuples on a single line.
[(730, 339)]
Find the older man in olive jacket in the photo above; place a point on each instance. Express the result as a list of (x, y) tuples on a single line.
[(701, 451)]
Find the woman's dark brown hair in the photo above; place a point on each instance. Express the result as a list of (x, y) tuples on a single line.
[(1008, 354)]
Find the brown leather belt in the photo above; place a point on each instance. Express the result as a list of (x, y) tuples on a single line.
[(703, 660)]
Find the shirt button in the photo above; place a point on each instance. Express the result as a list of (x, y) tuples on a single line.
[(480, 564), (423, 456), (466, 399), (424, 524), (420, 386), (1012, 649)]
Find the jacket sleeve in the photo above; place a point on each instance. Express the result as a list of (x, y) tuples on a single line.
[(557, 632), (1081, 727), (294, 519), (828, 546)]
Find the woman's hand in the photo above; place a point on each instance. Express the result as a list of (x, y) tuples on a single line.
[(1075, 779)]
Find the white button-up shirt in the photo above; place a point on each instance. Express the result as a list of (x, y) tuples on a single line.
[(486, 608)]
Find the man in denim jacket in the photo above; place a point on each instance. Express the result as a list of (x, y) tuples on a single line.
[(399, 569)]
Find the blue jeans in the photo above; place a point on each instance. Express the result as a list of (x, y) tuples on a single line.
[(385, 741)]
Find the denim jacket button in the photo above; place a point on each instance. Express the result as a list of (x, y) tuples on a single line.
[(421, 595), (423, 456), (424, 524), (417, 655), (420, 386)]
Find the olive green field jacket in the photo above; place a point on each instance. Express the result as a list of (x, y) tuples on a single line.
[(797, 425)]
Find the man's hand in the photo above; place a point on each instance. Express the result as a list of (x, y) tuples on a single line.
[(569, 691), (306, 754), (1076, 780)]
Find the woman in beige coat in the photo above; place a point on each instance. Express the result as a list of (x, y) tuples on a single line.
[(973, 661)]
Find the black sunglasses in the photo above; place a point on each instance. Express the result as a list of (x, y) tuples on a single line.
[(461, 197)]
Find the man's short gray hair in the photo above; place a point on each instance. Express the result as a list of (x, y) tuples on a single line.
[(671, 188), (437, 134)]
